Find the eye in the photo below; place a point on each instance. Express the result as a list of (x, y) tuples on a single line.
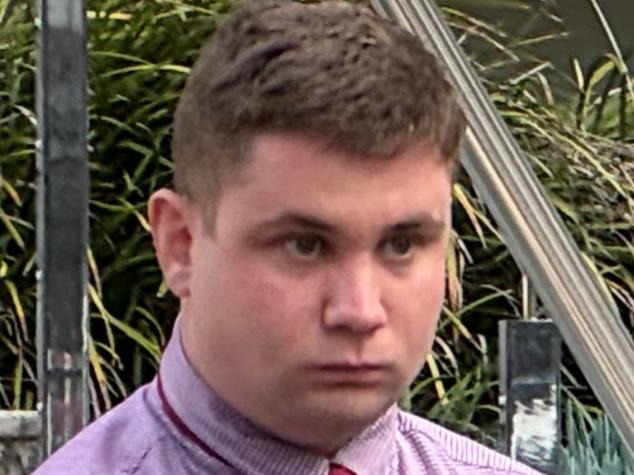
[(305, 247), (399, 248)]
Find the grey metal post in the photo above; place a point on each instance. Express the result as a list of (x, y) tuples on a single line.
[(62, 218), (530, 387)]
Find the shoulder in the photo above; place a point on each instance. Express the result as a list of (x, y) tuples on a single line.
[(432, 445), (116, 443)]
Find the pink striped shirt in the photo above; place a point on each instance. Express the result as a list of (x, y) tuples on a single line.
[(176, 425)]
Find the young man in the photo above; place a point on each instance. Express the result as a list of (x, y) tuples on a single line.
[(306, 237)]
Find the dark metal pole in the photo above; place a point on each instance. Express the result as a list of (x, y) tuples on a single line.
[(62, 218)]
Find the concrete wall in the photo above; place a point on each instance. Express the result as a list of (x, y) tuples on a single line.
[(20, 443)]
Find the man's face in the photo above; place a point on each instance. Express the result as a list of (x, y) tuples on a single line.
[(315, 301)]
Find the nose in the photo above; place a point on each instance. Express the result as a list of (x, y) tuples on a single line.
[(354, 298)]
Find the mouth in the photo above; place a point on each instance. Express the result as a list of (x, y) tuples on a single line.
[(351, 374), (351, 367)]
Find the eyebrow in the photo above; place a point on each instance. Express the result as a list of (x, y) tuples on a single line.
[(290, 218), (423, 221)]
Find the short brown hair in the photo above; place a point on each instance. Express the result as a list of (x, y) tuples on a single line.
[(333, 70)]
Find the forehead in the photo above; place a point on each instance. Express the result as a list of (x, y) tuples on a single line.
[(303, 175)]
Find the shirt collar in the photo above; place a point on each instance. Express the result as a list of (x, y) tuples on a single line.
[(234, 438)]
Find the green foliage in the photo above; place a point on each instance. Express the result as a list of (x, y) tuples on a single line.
[(17, 234), (139, 55), (593, 447)]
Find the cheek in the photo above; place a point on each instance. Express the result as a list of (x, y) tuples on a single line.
[(422, 303), (267, 312), (433, 286)]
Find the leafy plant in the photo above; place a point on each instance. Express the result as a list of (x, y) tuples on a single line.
[(17, 238), (593, 446)]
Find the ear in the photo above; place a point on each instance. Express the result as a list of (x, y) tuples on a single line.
[(171, 221)]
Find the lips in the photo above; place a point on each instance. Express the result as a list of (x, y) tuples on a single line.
[(350, 374), (351, 367)]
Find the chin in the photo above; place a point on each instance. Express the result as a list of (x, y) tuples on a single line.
[(344, 416), (334, 415)]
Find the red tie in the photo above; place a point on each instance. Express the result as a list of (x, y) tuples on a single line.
[(336, 469)]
